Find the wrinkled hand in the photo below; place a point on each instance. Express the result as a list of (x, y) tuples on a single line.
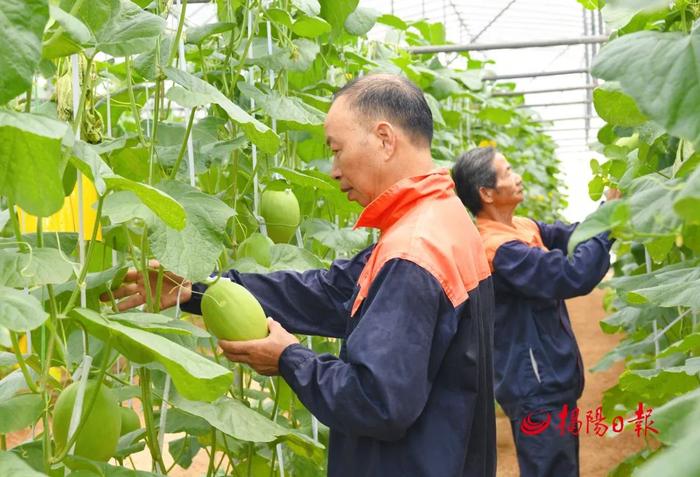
[(133, 288), (612, 194), (262, 355)]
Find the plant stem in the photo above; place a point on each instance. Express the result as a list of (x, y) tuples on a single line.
[(212, 455), (78, 116), (91, 248), (151, 439), (176, 42), (22, 364), (132, 100), (181, 154)]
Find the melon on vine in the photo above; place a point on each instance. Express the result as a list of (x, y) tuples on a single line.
[(280, 209), (231, 312)]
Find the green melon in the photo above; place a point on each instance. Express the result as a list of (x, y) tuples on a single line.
[(130, 420), (280, 209), (257, 247), (99, 435), (232, 313)]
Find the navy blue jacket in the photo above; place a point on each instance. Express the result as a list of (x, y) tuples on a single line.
[(411, 393), (537, 360)]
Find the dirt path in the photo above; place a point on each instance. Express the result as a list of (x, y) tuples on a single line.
[(597, 455)]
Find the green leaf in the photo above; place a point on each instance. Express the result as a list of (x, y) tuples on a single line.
[(661, 72), (198, 34), (20, 412), (129, 30), (30, 155), (202, 238), (651, 198), (22, 23), (344, 241), (311, 27), (194, 376), (183, 450), (289, 257), (83, 467), (88, 161), (607, 217), (671, 419), (310, 7), (592, 4), (302, 179), (680, 459), (618, 13), (596, 187), (392, 21), (164, 206), (284, 108), (615, 107), (234, 419), (361, 21), (73, 35), (19, 311), (40, 266), (434, 106), (336, 11), (687, 203), (200, 93), (12, 464), (280, 16), (121, 207)]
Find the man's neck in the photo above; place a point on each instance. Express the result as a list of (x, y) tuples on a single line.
[(503, 215)]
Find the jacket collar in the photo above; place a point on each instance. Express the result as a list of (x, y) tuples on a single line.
[(393, 203)]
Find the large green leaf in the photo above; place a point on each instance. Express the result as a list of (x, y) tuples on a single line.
[(310, 7), (615, 107), (687, 204), (336, 11), (361, 21), (164, 206), (20, 412), (194, 376), (40, 266), (284, 108), (199, 93), (118, 27), (192, 252), (198, 34), (661, 71), (234, 419), (12, 464), (618, 13), (298, 57), (67, 36), (19, 311), (680, 459), (672, 288), (30, 157), (22, 24), (671, 418), (302, 179), (289, 257), (311, 27), (607, 217)]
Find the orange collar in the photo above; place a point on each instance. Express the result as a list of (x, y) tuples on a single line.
[(494, 234), (391, 205)]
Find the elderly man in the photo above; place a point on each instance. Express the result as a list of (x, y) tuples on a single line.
[(539, 372), (411, 393)]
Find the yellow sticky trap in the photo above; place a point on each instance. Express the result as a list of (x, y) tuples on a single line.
[(66, 219), (487, 143)]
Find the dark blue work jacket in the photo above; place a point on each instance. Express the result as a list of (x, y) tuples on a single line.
[(537, 360), (411, 393)]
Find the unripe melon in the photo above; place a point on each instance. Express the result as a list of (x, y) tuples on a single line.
[(231, 312), (257, 247), (129, 419), (280, 209), (97, 440)]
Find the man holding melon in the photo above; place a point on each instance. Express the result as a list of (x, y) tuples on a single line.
[(539, 372), (411, 393)]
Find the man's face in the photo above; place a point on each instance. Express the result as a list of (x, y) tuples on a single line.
[(357, 163), (509, 185)]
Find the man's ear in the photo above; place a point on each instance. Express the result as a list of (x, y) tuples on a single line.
[(386, 134), (486, 195)]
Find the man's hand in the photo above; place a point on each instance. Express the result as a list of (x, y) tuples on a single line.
[(612, 194), (262, 355), (133, 289)]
